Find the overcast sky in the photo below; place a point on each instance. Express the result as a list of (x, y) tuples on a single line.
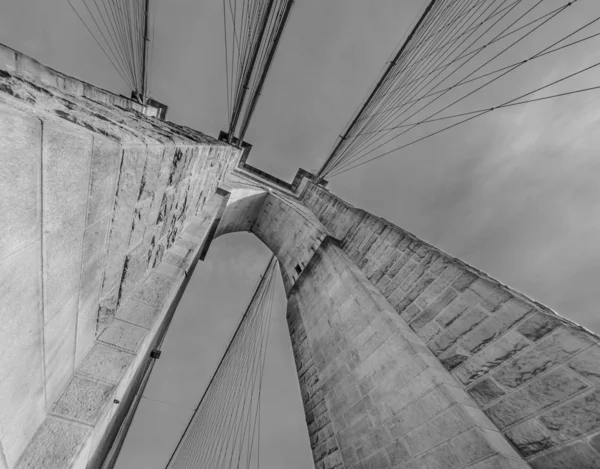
[(514, 193)]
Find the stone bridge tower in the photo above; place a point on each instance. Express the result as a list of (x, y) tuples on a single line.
[(407, 358)]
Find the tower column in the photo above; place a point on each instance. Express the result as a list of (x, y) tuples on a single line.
[(374, 395)]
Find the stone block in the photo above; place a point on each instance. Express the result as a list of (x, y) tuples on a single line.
[(134, 269), (578, 455), (453, 357), (21, 366), (485, 391), (438, 286), (495, 299), (375, 461), (425, 265), (434, 308), (62, 269), (106, 363), (140, 224), (419, 412), (507, 316), (8, 59), (55, 445), (125, 200), (587, 364), (458, 328), (438, 430), (104, 173), (107, 306), (152, 170), (548, 390), (400, 301), (500, 462), (580, 416), (543, 356), (480, 443), (93, 252), (87, 319), (174, 259), (154, 290), (29, 420), (397, 452), (59, 349), (20, 162), (170, 270), (462, 303), (83, 400), (538, 325), (595, 442), (67, 153), (138, 313), (491, 357), (123, 335), (430, 331), (464, 280), (441, 457), (530, 437)]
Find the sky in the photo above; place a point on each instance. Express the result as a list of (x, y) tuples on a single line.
[(515, 193)]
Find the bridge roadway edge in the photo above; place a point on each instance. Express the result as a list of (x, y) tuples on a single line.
[(503, 363)]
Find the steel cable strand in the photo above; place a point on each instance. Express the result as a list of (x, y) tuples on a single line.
[(464, 96)]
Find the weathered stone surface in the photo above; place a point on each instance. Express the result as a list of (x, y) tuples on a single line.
[(83, 400), (577, 455), (530, 437), (123, 335), (587, 364), (540, 394), (93, 252), (106, 363), (491, 357), (479, 443), (464, 280), (508, 315), (67, 153), (59, 344), (154, 290), (137, 313), (578, 417), (453, 357), (441, 428), (62, 269), (543, 356), (87, 318), (54, 445), (20, 162), (485, 391), (538, 325), (458, 328), (460, 304), (595, 442), (125, 200), (21, 366), (434, 308), (134, 269), (104, 172)]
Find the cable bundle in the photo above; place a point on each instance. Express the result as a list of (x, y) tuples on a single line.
[(459, 50), (224, 431), (252, 33), (120, 28)]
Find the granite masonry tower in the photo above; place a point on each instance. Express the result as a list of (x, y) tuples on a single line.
[(407, 358)]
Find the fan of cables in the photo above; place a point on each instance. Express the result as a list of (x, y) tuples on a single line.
[(464, 59), (253, 30), (121, 30), (224, 431)]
